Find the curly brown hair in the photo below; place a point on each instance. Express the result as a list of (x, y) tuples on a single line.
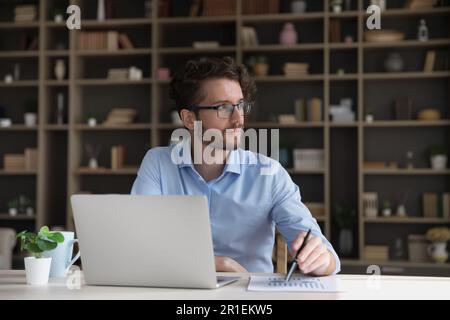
[(185, 87)]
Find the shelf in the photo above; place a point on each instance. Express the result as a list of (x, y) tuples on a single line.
[(281, 17), (407, 44), (406, 75), (281, 48), (402, 264), (100, 127), (56, 83), (407, 123), (19, 54), (119, 52), (275, 125), (405, 12), (344, 14), (20, 216), (191, 50), (56, 53), (106, 171), (282, 78), (195, 20), (343, 77), (296, 171), (107, 82), (19, 127), (56, 127), (343, 45), (17, 173), (20, 84), (343, 125), (19, 25), (424, 171), (108, 23), (409, 220), (53, 24)]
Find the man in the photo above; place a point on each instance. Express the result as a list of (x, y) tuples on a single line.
[(245, 205)]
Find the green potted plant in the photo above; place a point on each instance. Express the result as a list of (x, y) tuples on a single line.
[(370, 115), (13, 206), (37, 268), (58, 15), (387, 210), (336, 6), (344, 217), (438, 157), (30, 116), (259, 65), (91, 120), (438, 236)]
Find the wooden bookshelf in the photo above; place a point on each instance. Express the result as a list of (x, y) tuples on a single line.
[(166, 42)]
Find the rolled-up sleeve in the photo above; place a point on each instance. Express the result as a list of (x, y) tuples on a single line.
[(148, 180), (291, 216)]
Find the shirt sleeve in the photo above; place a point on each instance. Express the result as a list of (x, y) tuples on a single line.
[(148, 180), (291, 216)]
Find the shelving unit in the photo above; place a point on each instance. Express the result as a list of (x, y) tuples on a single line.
[(165, 42)]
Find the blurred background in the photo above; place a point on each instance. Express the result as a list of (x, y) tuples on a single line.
[(363, 114)]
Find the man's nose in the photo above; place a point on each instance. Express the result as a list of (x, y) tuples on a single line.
[(236, 115)]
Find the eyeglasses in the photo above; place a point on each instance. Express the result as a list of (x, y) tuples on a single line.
[(225, 111)]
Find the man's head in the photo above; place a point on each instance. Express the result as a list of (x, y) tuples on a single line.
[(204, 91)]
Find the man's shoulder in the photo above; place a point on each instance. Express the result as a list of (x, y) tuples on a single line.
[(157, 154)]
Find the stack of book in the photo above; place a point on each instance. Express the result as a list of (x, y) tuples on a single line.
[(308, 159), (117, 157), (379, 253), (109, 40), (218, 7), (14, 162), (295, 69), (31, 159), (120, 116), (436, 205), (118, 74), (420, 4), (205, 44), (24, 13), (249, 36), (260, 6)]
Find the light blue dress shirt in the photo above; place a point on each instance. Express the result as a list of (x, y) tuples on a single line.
[(245, 205)]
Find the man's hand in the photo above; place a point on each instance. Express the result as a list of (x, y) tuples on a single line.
[(227, 264), (315, 258)]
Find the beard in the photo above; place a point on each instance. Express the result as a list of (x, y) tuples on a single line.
[(230, 138)]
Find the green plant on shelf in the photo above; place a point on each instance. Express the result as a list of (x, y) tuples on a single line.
[(438, 234), (36, 244), (437, 150), (13, 204), (344, 216), (31, 106)]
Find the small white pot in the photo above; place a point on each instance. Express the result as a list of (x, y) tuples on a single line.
[(13, 212), (30, 119), (92, 122), (37, 270), (439, 162)]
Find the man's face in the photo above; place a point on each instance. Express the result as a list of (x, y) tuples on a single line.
[(217, 92)]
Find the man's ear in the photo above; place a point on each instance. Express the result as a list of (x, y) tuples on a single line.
[(188, 118)]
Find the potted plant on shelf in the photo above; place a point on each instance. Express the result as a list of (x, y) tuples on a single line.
[(438, 157), (345, 219), (91, 120), (387, 210), (336, 6), (37, 268), (13, 205), (438, 248), (259, 65), (370, 116), (30, 116)]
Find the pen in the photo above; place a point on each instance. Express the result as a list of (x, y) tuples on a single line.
[(294, 263)]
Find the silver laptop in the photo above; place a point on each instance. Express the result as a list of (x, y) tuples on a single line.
[(155, 241)]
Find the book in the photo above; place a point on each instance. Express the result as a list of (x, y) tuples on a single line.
[(117, 157), (31, 159), (125, 42), (194, 10), (249, 37), (429, 61), (446, 205), (112, 40), (430, 204)]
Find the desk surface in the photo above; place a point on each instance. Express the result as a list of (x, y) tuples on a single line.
[(13, 286)]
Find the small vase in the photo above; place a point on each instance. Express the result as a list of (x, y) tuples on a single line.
[(30, 119), (261, 69), (298, 6), (439, 162), (438, 252), (394, 63), (288, 35), (345, 242), (60, 69), (101, 10), (93, 164)]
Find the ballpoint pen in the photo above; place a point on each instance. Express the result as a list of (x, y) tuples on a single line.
[(294, 263)]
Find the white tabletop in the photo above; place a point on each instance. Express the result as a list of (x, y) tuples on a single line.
[(13, 286)]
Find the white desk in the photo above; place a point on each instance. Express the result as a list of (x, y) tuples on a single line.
[(13, 286)]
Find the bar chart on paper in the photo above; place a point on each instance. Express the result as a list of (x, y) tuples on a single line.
[(296, 283)]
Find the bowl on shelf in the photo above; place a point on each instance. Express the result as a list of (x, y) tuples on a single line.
[(383, 36), (429, 114)]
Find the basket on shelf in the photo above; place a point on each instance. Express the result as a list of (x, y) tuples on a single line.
[(383, 36)]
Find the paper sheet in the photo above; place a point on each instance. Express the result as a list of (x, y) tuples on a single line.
[(296, 283)]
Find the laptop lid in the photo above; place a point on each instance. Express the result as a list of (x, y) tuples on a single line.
[(137, 240)]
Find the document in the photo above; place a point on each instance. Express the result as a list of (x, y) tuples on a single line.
[(296, 283)]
